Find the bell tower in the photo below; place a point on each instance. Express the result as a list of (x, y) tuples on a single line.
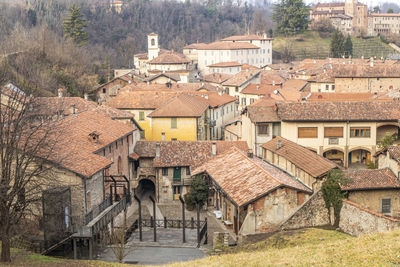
[(350, 7), (152, 46)]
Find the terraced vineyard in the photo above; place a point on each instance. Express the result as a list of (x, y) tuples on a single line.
[(311, 45)]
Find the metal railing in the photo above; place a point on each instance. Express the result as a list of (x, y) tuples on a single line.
[(171, 223), (203, 233), (97, 210)]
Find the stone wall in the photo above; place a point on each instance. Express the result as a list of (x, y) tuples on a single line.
[(312, 213), (356, 220)]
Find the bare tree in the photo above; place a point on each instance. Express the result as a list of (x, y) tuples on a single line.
[(27, 143)]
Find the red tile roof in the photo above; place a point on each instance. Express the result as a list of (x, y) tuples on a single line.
[(249, 180), (170, 58), (259, 89), (184, 153), (225, 64), (141, 99), (183, 105), (371, 179), (77, 151), (340, 111), (303, 158), (366, 71), (216, 77), (240, 78)]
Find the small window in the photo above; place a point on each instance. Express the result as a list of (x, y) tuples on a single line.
[(327, 87), (174, 139), (116, 145), (174, 123), (333, 87), (307, 132), (104, 90), (263, 129), (236, 89), (386, 205), (141, 115), (109, 149), (142, 135), (360, 132), (165, 171), (188, 171)]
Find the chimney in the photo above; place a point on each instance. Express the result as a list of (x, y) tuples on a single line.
[(220, 93), (60, 92), (278, 144), (148, 83), (273, 83), (213, 148), (86, 96), (371, 62), (73, 109), (257, 87), (250, 153), (206, 96), (157, 150)]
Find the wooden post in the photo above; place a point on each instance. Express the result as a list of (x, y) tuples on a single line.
[(140, 216), (198, 223), (165, 221), (183, 219), (75, 249), (90, 248), (154, 218)]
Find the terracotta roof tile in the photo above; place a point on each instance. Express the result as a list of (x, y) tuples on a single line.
[(225, 64), (366, 71), (259, 89), (240, 78), (342, 97), (216, 77), (371, 179), (170, 58), (294, 84), (303, 158), (172, 76), (194, 46), (249, 180), (76, 149), (340, 111), (183, 105), (184, 153), (141, 99)]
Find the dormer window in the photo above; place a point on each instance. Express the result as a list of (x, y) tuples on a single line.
[(94, 137)]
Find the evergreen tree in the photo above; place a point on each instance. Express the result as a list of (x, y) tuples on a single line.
[(337, 44), (291, 16), (74, 26), (348, 46), (197, 194)]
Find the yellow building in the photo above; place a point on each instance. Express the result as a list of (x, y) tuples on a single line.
[(184, 118), (346, 132)]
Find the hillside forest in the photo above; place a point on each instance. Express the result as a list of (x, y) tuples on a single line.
[(36, 53)]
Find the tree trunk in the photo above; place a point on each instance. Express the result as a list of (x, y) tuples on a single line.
[(5, 248)]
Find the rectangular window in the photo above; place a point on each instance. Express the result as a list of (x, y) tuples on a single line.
[(142, 136), (177, 174), (333, 131), (174, 123), (141, 115), (307, 132), (263, 129), (176, 190), (386, 205), (165, 171), (333, 87), (243, 101), (327, 87), (188, 171), (360, 132)]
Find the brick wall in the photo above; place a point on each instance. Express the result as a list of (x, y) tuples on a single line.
[(312, 213), (356, 220)]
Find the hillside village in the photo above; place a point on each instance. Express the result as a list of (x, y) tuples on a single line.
[(214, 146)]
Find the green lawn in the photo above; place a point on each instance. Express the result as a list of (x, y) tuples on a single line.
[(311, 45)]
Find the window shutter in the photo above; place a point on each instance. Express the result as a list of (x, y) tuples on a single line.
[(333, 131), (307, 132)]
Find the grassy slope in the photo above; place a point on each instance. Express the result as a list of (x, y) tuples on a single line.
[(313, 247), (311, 45), (307, 247)]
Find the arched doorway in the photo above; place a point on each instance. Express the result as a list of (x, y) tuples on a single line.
[(335, 155), (145, 189), (359, 158)]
